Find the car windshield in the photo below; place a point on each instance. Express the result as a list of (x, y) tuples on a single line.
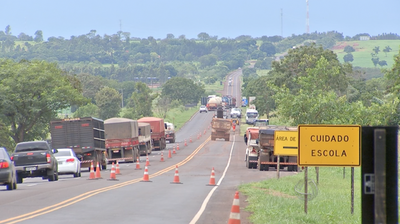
[(63, 153), (252, 115), (31, 146)]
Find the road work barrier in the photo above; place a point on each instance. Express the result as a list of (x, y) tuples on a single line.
[(176, 176), (112, 174), (98, 175), (234, 217), (212, 178), (91, 175), (145, 175), (117, 171), (162, 157), (138, 164)]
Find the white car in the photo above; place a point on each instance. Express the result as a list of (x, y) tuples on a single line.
[(68, 162), (236, 112), (203, 109)]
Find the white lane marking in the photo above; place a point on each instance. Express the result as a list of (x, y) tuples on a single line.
[(30, 185), (207, 199)]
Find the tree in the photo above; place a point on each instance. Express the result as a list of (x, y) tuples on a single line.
[(382, 63), (109, 102), (31, 93), (141, 101), (183, 90), (348, 57), (376, 49), (387, 49), (203, 36), (8, 30), (38, 36), (208, 60), (89, 110), (375, 60), (268, 48), (162, 106), (348, 49), (91, 85)]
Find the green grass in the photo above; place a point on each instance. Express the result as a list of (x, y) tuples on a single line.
[(179, 116), (276, 201), (362, 55), (215, 88)]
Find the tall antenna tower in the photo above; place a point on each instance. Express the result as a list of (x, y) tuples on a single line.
[(281, 23), (307, 20)]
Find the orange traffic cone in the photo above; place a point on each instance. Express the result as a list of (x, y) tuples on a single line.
[(117, 171), (98, 175), (112, 174), (137, 164), (162, 157), (204, 131), (234, 217), (212, 178), (176, 176), (147, 161), (200, 134), (190, 139), (173, 151), (185, 143), (234, 127), (91, 175), (169, 153), (177, 146), (145, 175)]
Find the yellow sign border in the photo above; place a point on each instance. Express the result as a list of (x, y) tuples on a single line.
[(328, 126), (285, 154)]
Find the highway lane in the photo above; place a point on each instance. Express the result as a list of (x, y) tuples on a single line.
[(128, 200)]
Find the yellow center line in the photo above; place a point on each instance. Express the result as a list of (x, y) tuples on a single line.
[(89, 194)]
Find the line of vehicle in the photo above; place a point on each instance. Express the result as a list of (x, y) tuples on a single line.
[(207, 199), (89, 194)]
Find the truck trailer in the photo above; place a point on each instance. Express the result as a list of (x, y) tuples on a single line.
[(122, 139), (83, 135), (157, 131), (145, 146)]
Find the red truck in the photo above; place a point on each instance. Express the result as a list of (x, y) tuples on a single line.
[(122, 139), (157, 131)]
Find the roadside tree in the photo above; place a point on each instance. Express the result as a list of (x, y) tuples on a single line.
[(31, 94), (348, 57), (141, 101), (348, 49), (183, 90), (108, 101)]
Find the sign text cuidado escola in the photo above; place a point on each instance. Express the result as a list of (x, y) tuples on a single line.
[(329, 145)]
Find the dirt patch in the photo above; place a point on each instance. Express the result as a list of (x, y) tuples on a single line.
[(275, 193)]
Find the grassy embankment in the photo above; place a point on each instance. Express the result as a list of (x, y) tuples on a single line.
[(362, 55), (276, 200)]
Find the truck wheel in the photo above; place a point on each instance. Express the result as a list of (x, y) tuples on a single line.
[(19, 179), (51, 175), (248, 163)]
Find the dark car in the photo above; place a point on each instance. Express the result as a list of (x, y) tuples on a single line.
[(8, 176), (35, 159)]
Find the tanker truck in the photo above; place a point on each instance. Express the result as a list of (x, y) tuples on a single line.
[(122, 139), (214, 103)]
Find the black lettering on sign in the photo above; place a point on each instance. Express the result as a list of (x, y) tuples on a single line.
[(329, 138), (292, 139), (328, 153), (281, 138)]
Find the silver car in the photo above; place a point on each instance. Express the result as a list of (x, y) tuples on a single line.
[(203, 109), (8, 175)]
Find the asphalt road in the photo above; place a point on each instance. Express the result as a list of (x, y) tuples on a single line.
[(127, 200)]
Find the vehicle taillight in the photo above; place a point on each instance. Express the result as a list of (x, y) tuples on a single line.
[(48, 158), (12, 158), (88, 154), (70, 160), (4, 165)]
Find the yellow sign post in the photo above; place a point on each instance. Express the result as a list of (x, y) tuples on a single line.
[(329, 145), (286, 143)]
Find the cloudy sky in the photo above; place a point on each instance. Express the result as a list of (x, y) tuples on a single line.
[(220, 18)]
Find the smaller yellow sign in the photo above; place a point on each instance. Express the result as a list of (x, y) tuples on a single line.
[(286, 143)]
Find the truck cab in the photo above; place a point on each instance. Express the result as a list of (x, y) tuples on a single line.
[(169, 132)]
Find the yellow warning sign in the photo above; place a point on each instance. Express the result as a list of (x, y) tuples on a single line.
[(329, 145), (286, 143)]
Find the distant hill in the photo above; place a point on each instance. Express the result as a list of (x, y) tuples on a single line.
[(363, 49)]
